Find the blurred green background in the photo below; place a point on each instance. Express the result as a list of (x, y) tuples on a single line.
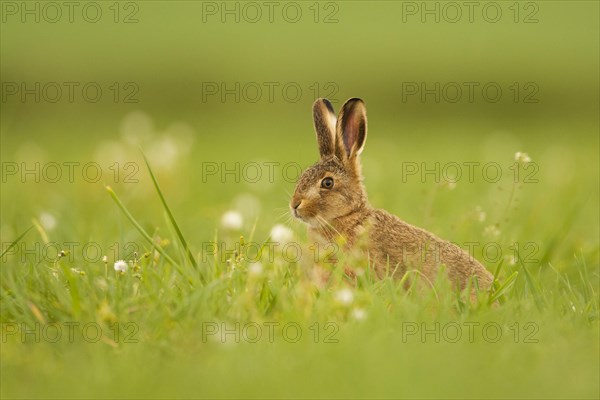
[(167, 55), (372, 50)]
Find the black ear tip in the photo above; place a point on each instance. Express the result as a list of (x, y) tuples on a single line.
[(328, 105), (355, 100), (326, 102), (352, 103)]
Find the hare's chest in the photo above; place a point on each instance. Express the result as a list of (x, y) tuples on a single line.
[(333, 241)]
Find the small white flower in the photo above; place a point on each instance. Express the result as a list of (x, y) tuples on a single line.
[(121, 266), (104, 259), (281, 234), (248, 205), (255, 269), (113, 151), (164, 152), (359, 314), (447, 184), (137, 128), (522, 158), (78, 271), (48, 221), (232, 220), (449, 181), (511, 259), (491, 231), (344, 296)]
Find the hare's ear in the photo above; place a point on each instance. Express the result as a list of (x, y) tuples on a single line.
[(351, 129), (324, 119)]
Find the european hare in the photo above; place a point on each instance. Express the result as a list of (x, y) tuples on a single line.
[(331, 199)]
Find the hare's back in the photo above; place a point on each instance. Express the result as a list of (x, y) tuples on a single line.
[(406, 246)]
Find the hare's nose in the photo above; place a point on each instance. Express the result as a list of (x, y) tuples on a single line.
[(296, 204)]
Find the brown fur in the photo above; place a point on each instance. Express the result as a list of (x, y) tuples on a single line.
[(343, 213)]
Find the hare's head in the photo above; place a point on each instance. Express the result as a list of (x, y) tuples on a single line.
[(332, 188)]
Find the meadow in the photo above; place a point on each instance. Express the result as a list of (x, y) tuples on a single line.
[(147, 245)]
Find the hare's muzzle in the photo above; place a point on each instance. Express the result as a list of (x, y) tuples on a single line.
[(294, 205)]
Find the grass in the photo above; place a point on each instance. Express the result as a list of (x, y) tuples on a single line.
[(228, 325)]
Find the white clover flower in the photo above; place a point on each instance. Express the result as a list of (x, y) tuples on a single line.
[(121, 266), (522, 158), (359, 314), (48, 221), (247, 204), (448, 183), (255, 269), (113, 151), (511, 259), (344, 296), (281, 234), (232, 220), (491, 231), (164, 151), (137, 128)]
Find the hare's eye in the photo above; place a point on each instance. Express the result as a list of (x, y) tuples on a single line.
[(327, 183)]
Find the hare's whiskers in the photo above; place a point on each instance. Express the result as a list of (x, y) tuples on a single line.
[(329, 226)]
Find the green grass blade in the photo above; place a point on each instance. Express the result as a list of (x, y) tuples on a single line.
[(17, 240), (170, 215), (139, 227), (499, 292), (535, 290), (497, 271), (495, 283)]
